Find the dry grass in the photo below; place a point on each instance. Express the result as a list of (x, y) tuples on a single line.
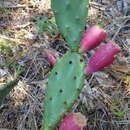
[(106, 97)]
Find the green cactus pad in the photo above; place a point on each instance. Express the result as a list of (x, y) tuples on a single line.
[(4, 90), (71, 18), (65, 84)]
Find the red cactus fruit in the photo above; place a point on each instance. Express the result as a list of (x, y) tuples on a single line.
[(103, 57), (92, 38), (51, 58), (74, 121)]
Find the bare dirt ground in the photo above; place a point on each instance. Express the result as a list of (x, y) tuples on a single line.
[(27, 29)]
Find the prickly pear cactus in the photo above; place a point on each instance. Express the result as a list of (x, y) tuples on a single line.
[(4, 90), (71, 18), (65, 84)]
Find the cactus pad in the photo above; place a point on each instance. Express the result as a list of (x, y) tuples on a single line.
[(6, 89), (65, 84), (71, 18)]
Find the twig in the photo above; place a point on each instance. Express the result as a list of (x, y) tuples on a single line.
[(120, 27), (10, 39), (3, 25), (22, 26), (97, 6), (16, 6)]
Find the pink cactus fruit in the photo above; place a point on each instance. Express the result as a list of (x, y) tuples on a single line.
[(52, 58), (103, 57), (92, 38), (74, 121)]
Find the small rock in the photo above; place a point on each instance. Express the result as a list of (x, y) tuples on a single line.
[(31, 36), (2, 73)]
